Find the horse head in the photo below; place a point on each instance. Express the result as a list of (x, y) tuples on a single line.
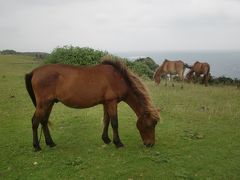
[(157, 79), (146, 126), (156, 76)]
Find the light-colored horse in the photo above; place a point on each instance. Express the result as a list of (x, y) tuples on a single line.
[(199, 68), (170, 68)]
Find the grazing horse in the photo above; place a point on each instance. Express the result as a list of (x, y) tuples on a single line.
[(199, 68), (170, 68), (107, 83)]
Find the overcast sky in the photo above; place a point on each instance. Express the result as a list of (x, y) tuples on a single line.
[(120, 25)]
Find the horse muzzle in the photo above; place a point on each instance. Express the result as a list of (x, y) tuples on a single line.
[(149, 144)]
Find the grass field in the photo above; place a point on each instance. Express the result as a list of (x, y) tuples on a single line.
[(198, 137)]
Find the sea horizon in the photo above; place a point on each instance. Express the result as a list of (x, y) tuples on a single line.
[(222, 62)]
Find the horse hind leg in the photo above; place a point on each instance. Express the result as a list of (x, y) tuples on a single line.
[(166, 80), (35, 124), (106, 121), (46, 132), (205, 79), (181, 78), (171, 79), (41, 116)]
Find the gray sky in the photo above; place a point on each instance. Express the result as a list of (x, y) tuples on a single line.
[(120, 25)]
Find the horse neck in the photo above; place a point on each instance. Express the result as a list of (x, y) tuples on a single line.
[(159, 71), (135, 104)]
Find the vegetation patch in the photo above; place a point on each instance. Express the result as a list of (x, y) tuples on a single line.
[(87, 56), (197, 139)]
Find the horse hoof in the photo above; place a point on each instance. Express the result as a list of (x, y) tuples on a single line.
[(149, 145), (52, 144), (37, 149), (106, 140), (119, 145)]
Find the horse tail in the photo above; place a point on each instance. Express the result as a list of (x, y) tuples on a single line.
[(28, 83), (187, 66), (208, 71)]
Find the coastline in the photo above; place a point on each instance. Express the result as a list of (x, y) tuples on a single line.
[(223, 63)]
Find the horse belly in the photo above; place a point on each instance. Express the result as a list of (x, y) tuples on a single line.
[(172, 71), (83, 98), (168, 69)]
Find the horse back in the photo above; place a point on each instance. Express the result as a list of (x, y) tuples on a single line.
[(173, 66), (78, 86), (201, 68)]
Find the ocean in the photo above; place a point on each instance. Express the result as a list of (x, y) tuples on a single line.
[(222, 63)]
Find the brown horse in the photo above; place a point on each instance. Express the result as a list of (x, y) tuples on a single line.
[(82, 87), (199, 68), (171, 68)]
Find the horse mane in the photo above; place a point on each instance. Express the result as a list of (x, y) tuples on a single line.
[(187, 66), (196, 62), (134, 82), (157, 71)]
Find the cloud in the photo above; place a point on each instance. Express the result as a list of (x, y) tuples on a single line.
[(120, 25)]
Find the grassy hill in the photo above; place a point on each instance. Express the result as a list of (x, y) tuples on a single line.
[(198, 137)]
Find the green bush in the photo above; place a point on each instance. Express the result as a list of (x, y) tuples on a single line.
[(75, 55), (144, 67), (149, 62), (140, 68), (8, 52), (224, 80)]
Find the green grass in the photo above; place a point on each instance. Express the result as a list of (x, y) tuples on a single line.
[(198, 137)]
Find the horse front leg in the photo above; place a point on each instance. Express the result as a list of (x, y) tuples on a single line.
[(112, 112), (198, 78), (106, 120), (116, 139), (181, 78), (171, 80)]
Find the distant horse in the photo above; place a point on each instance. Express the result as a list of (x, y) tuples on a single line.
[(82, 87), (199, 68), (170, 68)]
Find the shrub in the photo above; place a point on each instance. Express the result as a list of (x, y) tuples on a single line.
[(75, 55), (87, 56), (140, 68), (8, 51), (149, 62), (224, 80)]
